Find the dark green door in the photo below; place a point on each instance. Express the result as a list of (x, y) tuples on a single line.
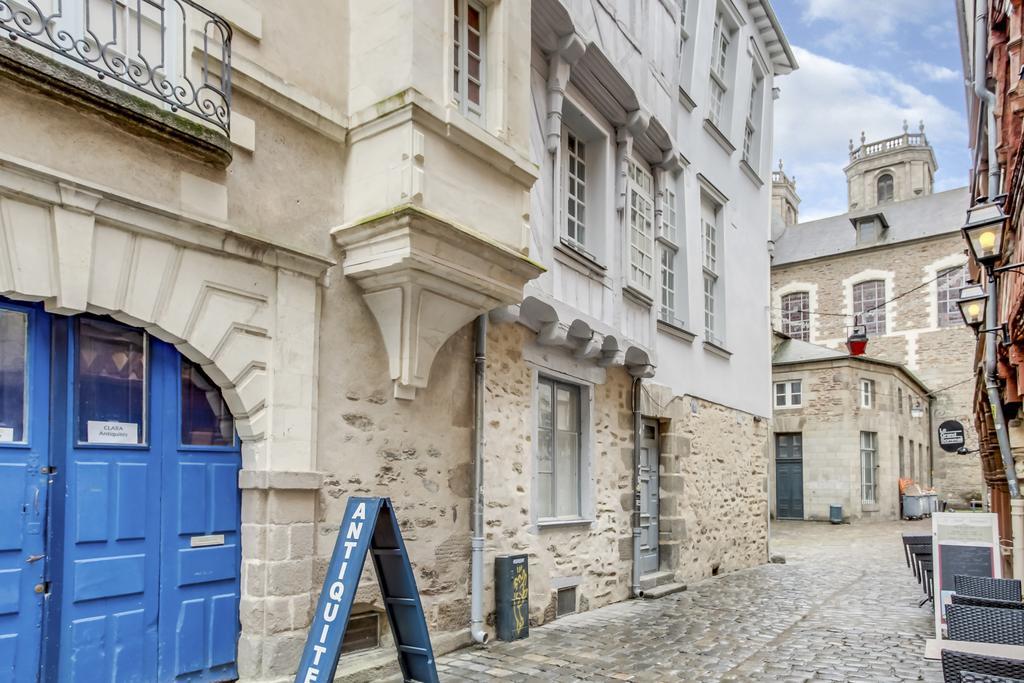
[(789, 476)]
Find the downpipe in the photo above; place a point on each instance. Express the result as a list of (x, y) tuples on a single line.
[(637, 428), (986, 96), (476, 618)]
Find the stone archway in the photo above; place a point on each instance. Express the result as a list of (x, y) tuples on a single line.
[(245, 310)]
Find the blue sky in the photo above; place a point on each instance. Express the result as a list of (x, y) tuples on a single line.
[(867, 65)]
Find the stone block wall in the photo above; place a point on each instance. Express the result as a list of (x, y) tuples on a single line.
[(939, 356)]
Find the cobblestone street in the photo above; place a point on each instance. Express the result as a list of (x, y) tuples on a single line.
[(843, 608)]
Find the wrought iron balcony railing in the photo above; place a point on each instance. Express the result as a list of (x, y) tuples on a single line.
[(144, 45)]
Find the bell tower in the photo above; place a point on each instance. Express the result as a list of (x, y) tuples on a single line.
[(890, 170), (785, 200)]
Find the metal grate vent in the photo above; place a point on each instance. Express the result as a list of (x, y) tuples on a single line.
[(566, 601), (363, 633)]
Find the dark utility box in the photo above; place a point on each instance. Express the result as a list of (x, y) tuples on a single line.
[(512, 596)]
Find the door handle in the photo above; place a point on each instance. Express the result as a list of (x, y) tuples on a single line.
[(34, 558), (35, 501)]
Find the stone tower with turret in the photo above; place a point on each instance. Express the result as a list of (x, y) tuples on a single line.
[(890, 170), (785, 200)]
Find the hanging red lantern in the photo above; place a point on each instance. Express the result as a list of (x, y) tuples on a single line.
[(857, 342)]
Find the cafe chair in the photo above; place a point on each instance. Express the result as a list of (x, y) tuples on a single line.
[(972, 677), (985, 624), (986, 587), (986, 602), (955, 663)]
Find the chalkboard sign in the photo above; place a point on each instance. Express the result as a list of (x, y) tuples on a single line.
[(963, 543), (966, 560)]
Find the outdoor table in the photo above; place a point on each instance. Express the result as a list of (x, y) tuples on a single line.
[(933, 648)]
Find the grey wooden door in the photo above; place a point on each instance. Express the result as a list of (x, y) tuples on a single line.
[(789, 476), (649, 460)]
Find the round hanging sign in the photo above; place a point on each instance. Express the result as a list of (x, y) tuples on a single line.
[(951, 436)]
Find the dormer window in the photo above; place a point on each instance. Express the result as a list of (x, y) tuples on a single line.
[(870, 229)]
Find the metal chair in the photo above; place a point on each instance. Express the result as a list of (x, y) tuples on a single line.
[(986, 602), (985, 624), (955, 663), (987, 587), (972, 677), (929, 573), (919, 553), (914, 539)]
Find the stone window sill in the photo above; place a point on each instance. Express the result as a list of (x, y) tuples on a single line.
[(674, 330), (718, 136), (638, 296), (685, 99), (717, 350), (561, 523), (751, 174), (580, 259), (869, 507)]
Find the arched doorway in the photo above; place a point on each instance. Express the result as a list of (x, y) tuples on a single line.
[(119, 506)]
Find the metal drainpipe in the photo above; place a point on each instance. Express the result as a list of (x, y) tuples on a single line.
[(476, 619), (637, 428), (987, 97)]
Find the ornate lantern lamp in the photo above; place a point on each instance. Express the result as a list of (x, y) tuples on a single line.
[(972, 302), (857, 342), (984, 231)]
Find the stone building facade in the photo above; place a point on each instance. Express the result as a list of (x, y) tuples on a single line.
[(845, 434), (312, 236), (832, 274)]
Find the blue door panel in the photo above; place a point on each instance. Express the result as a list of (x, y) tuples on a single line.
[(192, 508), (223, 497), (223, 629), (86, 656), (9, 657), (10, 591), (93, 498), (109, 577), (13, 480), (128, 630), (132, 479), (203, 565), (189, 642)]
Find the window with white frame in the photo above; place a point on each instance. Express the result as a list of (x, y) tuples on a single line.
[(867, 393), (789, 394), (869, 466), (559, 444), (752, 131), (687, 16), (869, 306), (719, 78), (669, 254), (711, 242), (667, 311), (948, 286), (468, 53), (641, 228), (574, 178), (796, 315)]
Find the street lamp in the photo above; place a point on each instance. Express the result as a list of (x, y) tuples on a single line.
[(984, 231), (972, 305), (857, 342), (916, 410)]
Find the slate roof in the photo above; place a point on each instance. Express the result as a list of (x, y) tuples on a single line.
[(936, 214), (791, 351)]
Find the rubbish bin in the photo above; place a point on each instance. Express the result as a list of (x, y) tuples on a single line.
[(512, 596), (914, 507), (835, 514)]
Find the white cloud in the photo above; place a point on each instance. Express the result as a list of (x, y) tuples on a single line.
[(826, 103), (935, 72), (874, 16)]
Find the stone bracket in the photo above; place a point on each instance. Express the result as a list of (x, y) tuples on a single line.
[(424, 279)]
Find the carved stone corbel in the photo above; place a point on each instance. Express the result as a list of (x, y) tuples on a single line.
[(570, 48)]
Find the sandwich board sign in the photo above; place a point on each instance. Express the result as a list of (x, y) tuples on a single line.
[(369, 526), (964, 543)]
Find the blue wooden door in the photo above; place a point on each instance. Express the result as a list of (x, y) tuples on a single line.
[(24, 459), (200, 542), (129, 570)]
